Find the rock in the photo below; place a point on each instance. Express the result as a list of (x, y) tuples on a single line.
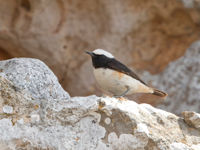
[(192, 118), (181, 81), (137, 32), (33, 77), (179, 146), (28, 122)]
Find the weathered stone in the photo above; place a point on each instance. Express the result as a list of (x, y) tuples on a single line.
[(29, 122), (34, 77), (138, 32), (192, 118)]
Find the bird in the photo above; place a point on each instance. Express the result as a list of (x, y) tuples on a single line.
[(116, 78)]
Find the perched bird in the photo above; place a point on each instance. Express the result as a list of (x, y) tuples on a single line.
[(114, 77)]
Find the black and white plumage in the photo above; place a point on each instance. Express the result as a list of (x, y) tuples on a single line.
[(114, 77)]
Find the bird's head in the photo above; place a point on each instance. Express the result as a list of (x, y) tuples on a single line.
[(100, 57), (99, 53)]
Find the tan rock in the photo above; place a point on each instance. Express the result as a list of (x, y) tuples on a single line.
[(138, 32), (192, 118), (95, 123)]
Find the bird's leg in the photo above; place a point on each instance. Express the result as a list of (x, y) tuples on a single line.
[(123, 94)]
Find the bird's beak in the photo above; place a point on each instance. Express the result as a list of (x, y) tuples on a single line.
[(89, 53)]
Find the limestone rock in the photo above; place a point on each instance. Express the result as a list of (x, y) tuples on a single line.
[(138, 32), (79, 123), (192, 118), (33, 77)]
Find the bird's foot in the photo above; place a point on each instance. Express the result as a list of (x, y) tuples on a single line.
[(122, 98)]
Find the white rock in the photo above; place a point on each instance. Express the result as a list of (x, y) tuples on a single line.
[(107, 120), (142, 128), (20, 121), (82, 123), (179, 146), (35, 118), (7, 109), (196, 147)]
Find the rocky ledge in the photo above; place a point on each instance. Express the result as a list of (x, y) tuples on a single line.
[(36, 113)]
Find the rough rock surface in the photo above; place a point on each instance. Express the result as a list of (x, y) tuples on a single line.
[(33, 77), (92, 123), (181, 81), (139, 32), (192, 118)]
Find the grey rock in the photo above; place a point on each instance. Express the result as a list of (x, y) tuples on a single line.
[(137, 32), (27, 121), (33, 76)]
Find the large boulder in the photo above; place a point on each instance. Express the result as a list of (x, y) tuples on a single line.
[(29, 121), (33, 77)]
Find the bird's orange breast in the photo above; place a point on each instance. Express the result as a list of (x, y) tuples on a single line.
[(117, 82), (118, 74)]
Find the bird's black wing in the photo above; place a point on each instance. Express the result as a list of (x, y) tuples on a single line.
[(118, 66)]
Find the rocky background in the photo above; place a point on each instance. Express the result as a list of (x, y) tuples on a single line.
[(37, 114), (158, 38)]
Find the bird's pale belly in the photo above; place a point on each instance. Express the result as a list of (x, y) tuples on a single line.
[(117, 83)]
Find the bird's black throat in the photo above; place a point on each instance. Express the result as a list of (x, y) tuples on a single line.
[(101, 61)]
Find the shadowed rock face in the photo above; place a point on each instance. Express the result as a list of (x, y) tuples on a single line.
[(144, 34), (43, 121)]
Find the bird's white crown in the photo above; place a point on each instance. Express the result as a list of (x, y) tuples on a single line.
[(103, 52)]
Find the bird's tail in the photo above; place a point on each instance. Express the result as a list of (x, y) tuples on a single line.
[(159, 93)]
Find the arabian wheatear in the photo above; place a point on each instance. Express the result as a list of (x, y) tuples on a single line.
[(114, 77)]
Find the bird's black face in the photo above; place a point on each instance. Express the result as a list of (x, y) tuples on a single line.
[(99, 61)]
